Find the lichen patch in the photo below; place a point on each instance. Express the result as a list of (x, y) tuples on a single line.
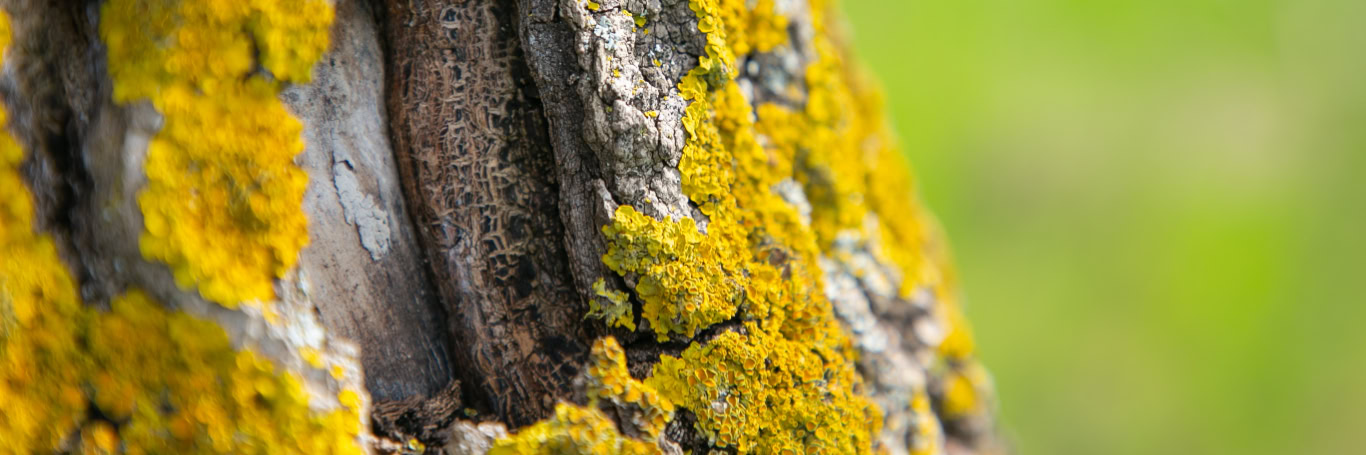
[(223, 201)]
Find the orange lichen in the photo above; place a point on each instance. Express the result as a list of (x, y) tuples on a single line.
[(222, 204)]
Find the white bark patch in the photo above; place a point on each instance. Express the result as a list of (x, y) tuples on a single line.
[(361, 211)]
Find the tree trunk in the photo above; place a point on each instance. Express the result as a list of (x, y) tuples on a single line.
[(462, 226)]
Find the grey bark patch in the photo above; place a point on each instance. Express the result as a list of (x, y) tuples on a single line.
[(371, 221), (364, 263), (632, 108)]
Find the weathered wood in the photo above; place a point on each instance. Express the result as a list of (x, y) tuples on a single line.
[(363, 264), (478, 171)]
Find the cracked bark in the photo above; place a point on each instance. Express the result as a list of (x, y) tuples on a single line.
[(462, 156)]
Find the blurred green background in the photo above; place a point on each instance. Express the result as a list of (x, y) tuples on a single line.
[(1157, 207)]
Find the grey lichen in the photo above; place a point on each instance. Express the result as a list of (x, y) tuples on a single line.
[(361, 211)]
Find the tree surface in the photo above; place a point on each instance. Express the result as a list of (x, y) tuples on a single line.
[(465, 226)]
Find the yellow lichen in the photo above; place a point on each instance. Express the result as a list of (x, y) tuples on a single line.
[(163, 381), (41, 367), (765, 393), (172, 381), (572, 430), (927, 437), (965, 387), (577, 429), (785, 382), (851, 172), (684, 284), (608, 380), (181, 388), (222, 204)]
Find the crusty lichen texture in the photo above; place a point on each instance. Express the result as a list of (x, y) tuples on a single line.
[(137, 378), (222, 203), (587, 429), (782, 378)]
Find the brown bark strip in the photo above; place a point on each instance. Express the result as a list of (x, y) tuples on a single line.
[(477, 168), (363, 264)]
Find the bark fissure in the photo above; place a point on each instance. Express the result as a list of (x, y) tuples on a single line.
[(470, 138)]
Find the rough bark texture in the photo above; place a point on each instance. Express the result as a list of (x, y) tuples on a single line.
[(462, 160), (472, 147)]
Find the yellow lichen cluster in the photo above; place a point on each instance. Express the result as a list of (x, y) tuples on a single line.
[(222, 204), (927, 435), (162, 382), (177, 386), (40, 313), (751, 26), (786, 382), (608, 381), (763, 393), (685, 281), (586, 429), (851, 172), (138, 378), (572, 430)]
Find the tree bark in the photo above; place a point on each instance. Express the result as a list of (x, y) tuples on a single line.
[(471, 167)]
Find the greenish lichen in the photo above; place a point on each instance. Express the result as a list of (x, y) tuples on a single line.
[(616, 310)]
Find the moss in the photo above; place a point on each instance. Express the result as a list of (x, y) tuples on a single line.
[(223, 200)]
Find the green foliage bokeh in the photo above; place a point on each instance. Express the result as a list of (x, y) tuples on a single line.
[(1158, 209)]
